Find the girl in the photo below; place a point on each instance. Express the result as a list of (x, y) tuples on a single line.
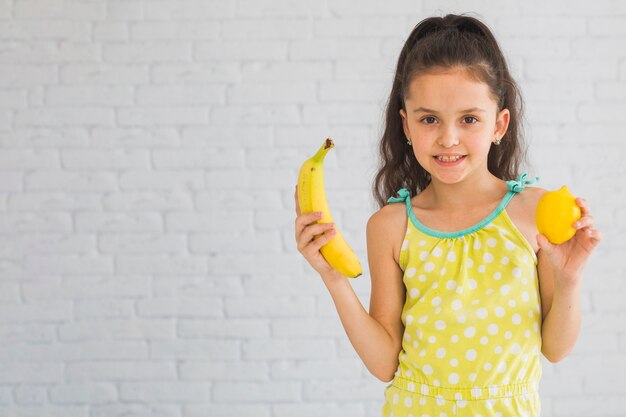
[(465, 294)]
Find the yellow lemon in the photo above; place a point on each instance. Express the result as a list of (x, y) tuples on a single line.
[(556, 212)]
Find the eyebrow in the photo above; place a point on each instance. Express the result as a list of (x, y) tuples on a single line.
[(472, 110)]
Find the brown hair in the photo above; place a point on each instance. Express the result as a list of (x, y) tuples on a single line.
[(444, 43)]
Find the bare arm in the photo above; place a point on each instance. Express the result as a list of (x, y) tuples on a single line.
[(377, 335), (561, 313), (560, 269)]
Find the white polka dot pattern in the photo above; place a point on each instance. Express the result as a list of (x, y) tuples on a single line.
[(472, 312)]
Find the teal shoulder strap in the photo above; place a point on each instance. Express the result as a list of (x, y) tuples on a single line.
[(515, 186)]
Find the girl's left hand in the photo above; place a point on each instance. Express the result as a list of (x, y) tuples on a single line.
[(569, 258)]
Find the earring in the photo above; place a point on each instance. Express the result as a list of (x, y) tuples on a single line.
[(408, 141), (497, 141)]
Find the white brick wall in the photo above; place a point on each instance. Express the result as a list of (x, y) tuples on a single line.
[(148, 155)]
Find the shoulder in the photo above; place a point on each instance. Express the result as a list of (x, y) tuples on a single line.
[(522, 209), (530, 196), (387, 227), (388, 218)]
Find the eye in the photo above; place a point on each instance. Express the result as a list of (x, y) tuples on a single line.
[(470, 117), (428, 118)]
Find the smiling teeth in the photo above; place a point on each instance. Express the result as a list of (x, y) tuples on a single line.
[(449, 158)]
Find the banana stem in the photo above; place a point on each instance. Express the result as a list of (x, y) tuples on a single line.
[(321, 153)]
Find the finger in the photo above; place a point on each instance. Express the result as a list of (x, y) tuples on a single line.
[(583, 222), (597, 235), (303, 220), (317, 244), (311, 232), (582, 203), (295, 196), (544, 243)]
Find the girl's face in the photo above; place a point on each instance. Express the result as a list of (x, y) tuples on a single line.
[(452, 121)]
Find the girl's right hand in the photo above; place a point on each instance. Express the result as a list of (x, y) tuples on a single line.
[(311, 236)]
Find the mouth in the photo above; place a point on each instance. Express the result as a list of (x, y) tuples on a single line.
[(449, 158)]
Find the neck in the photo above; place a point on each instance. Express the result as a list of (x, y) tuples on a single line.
[(468, 193)]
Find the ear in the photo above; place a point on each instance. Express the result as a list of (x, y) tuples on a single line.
[(502, 122), (405, 124)]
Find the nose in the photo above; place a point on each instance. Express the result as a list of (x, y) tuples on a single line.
[(448, 138)]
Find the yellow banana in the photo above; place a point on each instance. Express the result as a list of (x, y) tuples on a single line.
[(312, 197)]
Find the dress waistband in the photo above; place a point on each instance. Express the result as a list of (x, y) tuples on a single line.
[(466, 394)]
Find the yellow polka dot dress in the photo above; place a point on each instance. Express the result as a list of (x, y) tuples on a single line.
[(472, 317)]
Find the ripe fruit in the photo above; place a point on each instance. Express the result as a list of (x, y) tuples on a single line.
[(312, 197), (556, 212)]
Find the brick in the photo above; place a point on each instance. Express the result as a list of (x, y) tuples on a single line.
[(328, 409), (35, 222), (269, 306), (48, 243), (118, 222), (31, 395), (288, 349), (256, 115), (31, 373), (325, 369), (542, 25), (159, 265), (223, 328), (266, 28), (54, 201), (141, 243), (131, 10), (47, 409), (212, 220), (59, 9), (27, 332), (273, 93), (585, 405), (128, 201), (233, 50), (180, 307), (65, 116), (163, 116), (112, 328), (163, 30), (180, 95), (48, 311), (75, 182), (85, 95), (214, 71), (197, 286), (325, 49), (224, 371), (227, 350), (105, 159), (134, 409), (607, 26), (194, 9), (111, 31), (344, 390), (287, 71), (89, 393), (165, 181), (361, 26), (115, 371), (211, 158), (229, 410), (100, 73), (251, 392), (146, 52)]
